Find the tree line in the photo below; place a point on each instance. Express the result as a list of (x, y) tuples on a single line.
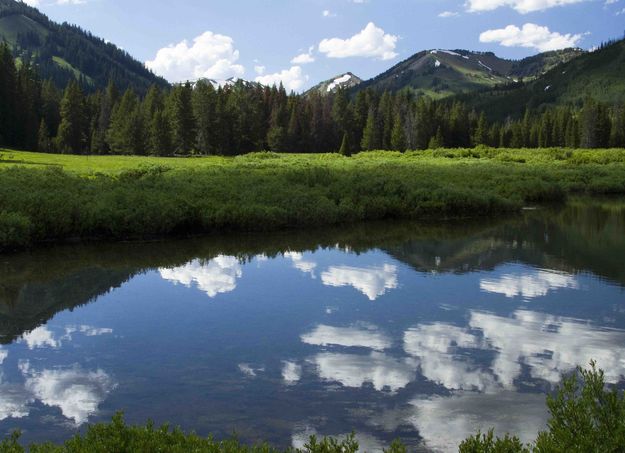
[(244, 117)]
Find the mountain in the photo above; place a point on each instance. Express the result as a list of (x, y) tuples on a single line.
[(598, 75), (63, 52), (443, 73), (345, 81)]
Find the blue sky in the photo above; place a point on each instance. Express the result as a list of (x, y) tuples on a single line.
[(302, 42)]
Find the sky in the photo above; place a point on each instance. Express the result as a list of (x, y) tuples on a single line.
[(303, 42)]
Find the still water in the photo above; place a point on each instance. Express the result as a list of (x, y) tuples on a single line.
[(422, 332)]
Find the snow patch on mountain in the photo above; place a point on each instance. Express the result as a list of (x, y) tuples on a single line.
[(339, 81)]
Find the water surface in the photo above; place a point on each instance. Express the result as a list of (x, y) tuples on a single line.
[(422, 332)]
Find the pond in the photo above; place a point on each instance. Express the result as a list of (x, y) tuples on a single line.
[(395, 330)]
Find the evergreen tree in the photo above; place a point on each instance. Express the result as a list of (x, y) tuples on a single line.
[(370, 135), (183, 121), (72, 135), (345, 148), (398, 137), (44, 144), (481, 132), (127, 134)]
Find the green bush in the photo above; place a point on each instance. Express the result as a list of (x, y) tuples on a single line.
[(15, 231), (118, 437), (585, 417)]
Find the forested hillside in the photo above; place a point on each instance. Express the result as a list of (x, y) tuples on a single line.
[(240, 118), (443, 73), (599, 75), (64, 52)]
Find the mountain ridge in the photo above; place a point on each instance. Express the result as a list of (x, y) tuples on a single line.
[(64, 52)]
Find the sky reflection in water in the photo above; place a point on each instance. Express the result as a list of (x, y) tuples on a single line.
[(423, 334)]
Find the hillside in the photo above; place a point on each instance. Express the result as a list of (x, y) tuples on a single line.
[(443, 73), (345, 81), (597, 75), (63, 52)]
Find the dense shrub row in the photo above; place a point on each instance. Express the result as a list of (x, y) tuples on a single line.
[(268, 191)]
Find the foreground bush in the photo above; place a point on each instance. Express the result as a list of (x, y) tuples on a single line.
[(585, 418), (118, 437)]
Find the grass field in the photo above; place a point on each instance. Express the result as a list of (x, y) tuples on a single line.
[(47, 197)]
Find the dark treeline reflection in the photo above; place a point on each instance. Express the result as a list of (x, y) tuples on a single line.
[(583, 236)]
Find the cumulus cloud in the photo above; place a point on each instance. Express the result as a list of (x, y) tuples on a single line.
[(78, 393), (447, 14), (372, 282), (293, 78), (378, 369), (41, 337), (521, 6), (214, 277), (529, 285), (532, 36), (364, 337), (371, 42), (210, 55)]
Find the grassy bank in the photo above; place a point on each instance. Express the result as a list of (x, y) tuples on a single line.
[(56, 197)]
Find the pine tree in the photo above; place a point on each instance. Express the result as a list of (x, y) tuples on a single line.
[(99, 143), (8, 95), (183, 121), (345, 148), (127, 134), (437, 141), (44, 144), (398, 137), (370, 135), (204, 101), (481, 132), (72, 135)]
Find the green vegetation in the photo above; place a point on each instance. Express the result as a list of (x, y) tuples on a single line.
[(121, 438), (585, 417), (243, 117), (46, 197)]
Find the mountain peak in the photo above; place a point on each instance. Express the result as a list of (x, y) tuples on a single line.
[(345, 81)]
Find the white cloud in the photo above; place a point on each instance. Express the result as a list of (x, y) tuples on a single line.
[(303, 58), (306, 266), (372, 282), (365, 337), (434, 345), (216, 276), (521, 6), (549, 345), (259, 69), (532, 36), (211, 56), (293, 79), (327, 13), (291, 372), (41, 337), (529, 285), (76, 392), (351, 370), (371, 42), (14, 401), (447, 14), (444, 422)]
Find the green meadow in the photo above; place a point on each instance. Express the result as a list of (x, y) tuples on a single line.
[(51, 197)]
